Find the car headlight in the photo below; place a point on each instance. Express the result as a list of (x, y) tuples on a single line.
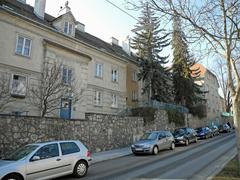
[(146, 146), (132, 145)]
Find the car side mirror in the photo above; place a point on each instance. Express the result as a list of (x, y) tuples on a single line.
[(35, 158)]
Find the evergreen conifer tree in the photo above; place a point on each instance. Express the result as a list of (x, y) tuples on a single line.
[(149, 42), (186, 91)]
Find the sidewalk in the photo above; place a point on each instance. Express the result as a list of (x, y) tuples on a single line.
[(111, 154)]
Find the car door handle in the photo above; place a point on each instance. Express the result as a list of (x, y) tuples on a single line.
[(58, 159)]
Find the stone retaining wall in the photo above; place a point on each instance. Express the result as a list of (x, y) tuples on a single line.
[(99, 132)]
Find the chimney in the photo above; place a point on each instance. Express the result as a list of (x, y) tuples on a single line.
[(80, 26), (126, 45), (114, 41), (39, 8)]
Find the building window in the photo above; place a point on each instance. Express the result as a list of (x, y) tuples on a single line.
[(114, 100), (98, 98), (134, 76), (98, 70), (23, 46), (68, 28), (67, 75), (19, 84), (114, 75), (134, 96)]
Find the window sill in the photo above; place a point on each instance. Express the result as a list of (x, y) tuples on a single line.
[(28, 57), (98, 105), (114, 107), (115, 82), (98, 77)]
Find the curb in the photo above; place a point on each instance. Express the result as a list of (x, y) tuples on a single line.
[(223, 162), (100, 158)]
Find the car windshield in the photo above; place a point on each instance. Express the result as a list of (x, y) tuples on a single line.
[(225, 125), (199, 130), (149, 136), (21, 153), (179, 132)]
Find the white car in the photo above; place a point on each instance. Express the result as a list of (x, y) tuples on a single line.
[(46, 161)]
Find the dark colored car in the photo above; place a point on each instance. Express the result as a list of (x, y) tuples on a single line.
[(185, 136), (215, 130), (204, 133), (224, 128)]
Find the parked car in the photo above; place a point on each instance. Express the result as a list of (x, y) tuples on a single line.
[(204, 133), (152, 142), (215, 130), (224, 128), (46, 161), (185, 136)]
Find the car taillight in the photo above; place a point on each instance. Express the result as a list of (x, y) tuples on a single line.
[(88, 154)]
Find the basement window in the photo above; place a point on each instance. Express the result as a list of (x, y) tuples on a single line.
[(19, 84)]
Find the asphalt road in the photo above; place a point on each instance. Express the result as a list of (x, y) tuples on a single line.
[(182, 163)]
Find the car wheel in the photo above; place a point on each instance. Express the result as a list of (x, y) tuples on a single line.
[(172, 146), (155, 150), (12, 177), (80, 169), (186, 142)]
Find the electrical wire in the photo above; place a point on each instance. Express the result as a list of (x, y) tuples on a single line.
[(121, 9)]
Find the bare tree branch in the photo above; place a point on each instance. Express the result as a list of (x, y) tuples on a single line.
[(46, 95)]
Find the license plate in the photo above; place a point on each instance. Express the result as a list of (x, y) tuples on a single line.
[(138, 149)]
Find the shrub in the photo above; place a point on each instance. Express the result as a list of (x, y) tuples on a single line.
[(176, 117), (146, 112), (198, 110)]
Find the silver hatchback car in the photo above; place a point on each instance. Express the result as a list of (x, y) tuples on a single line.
[(154, 141), (46, 161)]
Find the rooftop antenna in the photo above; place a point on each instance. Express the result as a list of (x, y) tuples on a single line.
[(66, 8)]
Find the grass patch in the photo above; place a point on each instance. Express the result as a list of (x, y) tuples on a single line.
[(229, 171)]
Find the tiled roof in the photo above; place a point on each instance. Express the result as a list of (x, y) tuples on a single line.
[(27, 11), (201, 68)]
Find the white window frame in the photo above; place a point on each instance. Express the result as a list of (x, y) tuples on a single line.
[(114, 73), (23, 46), (69, 30), (14, 93), (134, 75), (134, 96), (99, 70), (114, 101), (68, 81), (98, 98)]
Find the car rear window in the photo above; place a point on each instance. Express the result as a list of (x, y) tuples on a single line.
[(69, 148)]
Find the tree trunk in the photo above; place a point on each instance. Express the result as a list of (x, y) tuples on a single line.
[(236, 118)]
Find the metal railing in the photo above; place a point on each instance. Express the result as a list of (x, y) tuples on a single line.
[(154, 104), (163, 106)]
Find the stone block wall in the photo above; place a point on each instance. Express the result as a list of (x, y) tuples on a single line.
[(98, 132)]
